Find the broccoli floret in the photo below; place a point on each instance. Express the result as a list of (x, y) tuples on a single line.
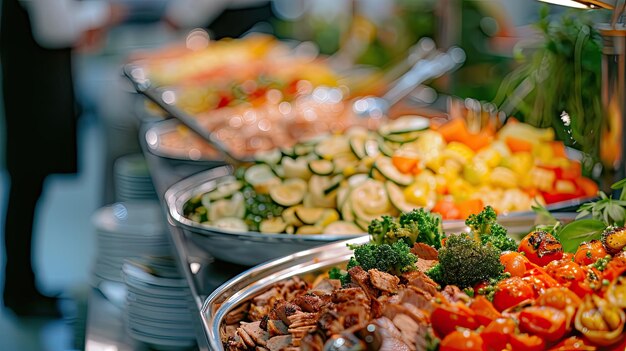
[(336, 273), (395, 258), (421, 226), (435, 273), (415, 226), (484, 226), (379, 230), (465, 261)]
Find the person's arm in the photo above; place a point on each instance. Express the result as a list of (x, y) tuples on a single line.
[(61, 23)]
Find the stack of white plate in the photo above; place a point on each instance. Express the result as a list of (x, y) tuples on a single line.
[(157, 304), (132, 179), (125, 230)]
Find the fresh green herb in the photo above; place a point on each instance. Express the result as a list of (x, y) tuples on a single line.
[(601, 263), (579, 231), (469, 291), (418, 225), (485, 227), (395, 258)]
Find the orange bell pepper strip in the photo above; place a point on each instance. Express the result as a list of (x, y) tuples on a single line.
[(471, 206), (518, 145), (404, 164)]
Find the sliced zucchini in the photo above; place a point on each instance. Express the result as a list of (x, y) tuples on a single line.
[(230, 224), (225, 188), (329, 215), (335, 183), (303, 149), (345, 162), (385, 147), (357, 131), (273, 225), (322, 167), (331, 146), (389, 171), (357, 145), (317, 186), (362, 224), (296, 168), (259, 174), (397, 198), (310, 215), (288, 152), (376, 175), (403, 138), (342, 195), (357, 179), (370, 200), (309, 230), (290, 192), (289, 216), (371, 147), (270, 157), (405, 124), (222, 208), (347, 213), (343, 227)]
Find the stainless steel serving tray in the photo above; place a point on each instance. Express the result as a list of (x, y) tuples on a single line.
[(245, 248), (311, 262), (162, 135), (252, 248)]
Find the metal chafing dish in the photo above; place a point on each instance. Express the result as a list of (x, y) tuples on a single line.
[(310, 263)]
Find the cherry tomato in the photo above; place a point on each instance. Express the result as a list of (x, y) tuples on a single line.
[(565, 272), (462, 340), (568, 256), (559, 298), (546, 322), (496, 334), (525, 342), (514, 263), (573, 343), (541, 248), (589, 252), (510, 292), (562, 299), (539, 282), (615, 267), (445, 318), (485, 312)]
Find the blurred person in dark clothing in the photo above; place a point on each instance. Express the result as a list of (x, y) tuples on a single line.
[(36, 42)]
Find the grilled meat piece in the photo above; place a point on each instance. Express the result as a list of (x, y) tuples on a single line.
[(350, 294), (282, 310), (424, 265), (453, 294), (255, 332), (420, 280), (309, 303), (362, 279), (276, 327), (278, 343), (384, 281), (425, 251)]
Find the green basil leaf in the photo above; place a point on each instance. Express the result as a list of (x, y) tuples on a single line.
[(574, 233), (619, 184), (616, 213)]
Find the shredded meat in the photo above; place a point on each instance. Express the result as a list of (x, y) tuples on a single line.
[(276, 327), (278, 343), (424, 265), (422, 281), (282, 310), (309, 303), (362, 279)]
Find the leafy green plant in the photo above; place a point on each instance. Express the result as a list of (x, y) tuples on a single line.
[(561, 73)]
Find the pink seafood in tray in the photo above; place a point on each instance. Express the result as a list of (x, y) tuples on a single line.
[(247, 129)]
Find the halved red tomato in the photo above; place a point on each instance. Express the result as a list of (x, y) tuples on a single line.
[(484, 310), (525, 342), (546, 322), (510, 292), (565, 272), (496, 334), (445, 318), (462, 340)]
